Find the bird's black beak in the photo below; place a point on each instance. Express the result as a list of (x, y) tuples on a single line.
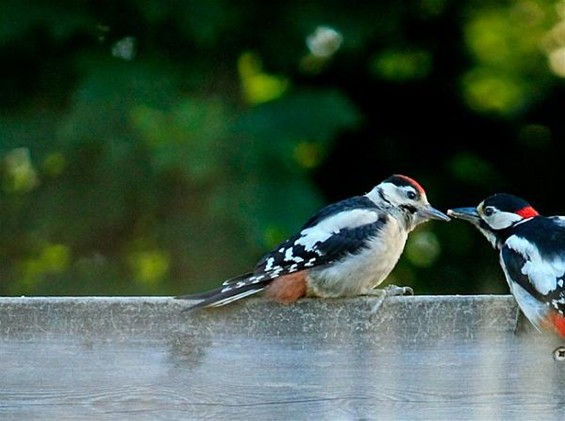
[(432, 213), (467, 214)]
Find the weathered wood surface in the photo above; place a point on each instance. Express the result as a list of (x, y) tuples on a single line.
[(142, 358)]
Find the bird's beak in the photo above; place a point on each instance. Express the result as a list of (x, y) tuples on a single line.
[(432, 213), (467, 214)]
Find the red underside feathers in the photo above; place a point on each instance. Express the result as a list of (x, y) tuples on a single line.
[(557, 321), (288, 288)]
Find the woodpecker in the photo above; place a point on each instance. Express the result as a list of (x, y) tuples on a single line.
[(531, 253), (346, 249)]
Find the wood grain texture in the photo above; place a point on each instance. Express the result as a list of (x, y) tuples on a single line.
[(142, 358)]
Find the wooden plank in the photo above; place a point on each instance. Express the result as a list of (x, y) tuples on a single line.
[(142, 358)]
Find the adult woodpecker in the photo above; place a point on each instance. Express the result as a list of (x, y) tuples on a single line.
[(346, 249), (532, 255)]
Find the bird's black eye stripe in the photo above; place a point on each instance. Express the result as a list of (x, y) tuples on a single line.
[(409, 208)]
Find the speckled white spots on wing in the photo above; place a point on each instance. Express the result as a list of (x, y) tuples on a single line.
[(558, 301), (269, 265), (290, 257), (310, 262)]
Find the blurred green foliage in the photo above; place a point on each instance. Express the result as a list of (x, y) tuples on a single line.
[(158, 147)]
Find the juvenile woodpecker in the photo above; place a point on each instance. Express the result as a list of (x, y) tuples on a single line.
[(346, 249), (532, 255)]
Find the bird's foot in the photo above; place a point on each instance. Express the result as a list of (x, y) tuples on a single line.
[(382, 293), (389, 291), (395, 290)]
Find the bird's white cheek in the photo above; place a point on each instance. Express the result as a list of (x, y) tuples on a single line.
[(503, 220)]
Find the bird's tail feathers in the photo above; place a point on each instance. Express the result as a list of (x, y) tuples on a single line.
[(222, 299), (200, 295), (231, 290), (207, 294)]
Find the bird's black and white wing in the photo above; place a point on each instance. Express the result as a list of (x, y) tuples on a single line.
[(336, 231), (333, 233), (535, 276)]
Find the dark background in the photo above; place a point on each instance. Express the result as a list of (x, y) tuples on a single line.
[(156, 148)]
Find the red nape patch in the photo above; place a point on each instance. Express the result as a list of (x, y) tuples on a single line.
[(527, 212), (287, 288), (413, 182), (557, 322)]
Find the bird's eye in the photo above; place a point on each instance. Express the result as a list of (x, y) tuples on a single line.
[(411, 195), (488, 211)]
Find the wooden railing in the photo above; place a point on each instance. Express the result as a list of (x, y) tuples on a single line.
[(419, 357)]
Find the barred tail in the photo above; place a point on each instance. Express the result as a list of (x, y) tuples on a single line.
[(231, 290)]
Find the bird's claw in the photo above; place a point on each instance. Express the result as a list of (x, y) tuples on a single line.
[(395, 290), (382, 294)]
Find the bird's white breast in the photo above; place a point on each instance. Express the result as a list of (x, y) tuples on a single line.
[(534, 310), (355, 274)]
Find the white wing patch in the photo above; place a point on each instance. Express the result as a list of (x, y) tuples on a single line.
[(544, 274), (559, 220), (320, 232)]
